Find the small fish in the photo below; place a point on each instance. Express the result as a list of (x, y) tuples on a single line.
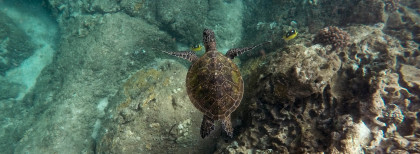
[(290, 35), (196, 48), (293, 23)]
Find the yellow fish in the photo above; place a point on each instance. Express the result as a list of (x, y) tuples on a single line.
[(196, 48), (290, 35)]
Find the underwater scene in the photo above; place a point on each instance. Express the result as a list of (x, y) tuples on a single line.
[(209, 76)]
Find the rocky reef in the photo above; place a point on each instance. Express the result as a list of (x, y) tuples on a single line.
[(15, 44), (348, 83), (332, 36), (306, 99), (156, 115)]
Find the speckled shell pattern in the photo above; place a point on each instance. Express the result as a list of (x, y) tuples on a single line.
[(215, 85)]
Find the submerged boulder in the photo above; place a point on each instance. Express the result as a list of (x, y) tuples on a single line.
[(15, 45)]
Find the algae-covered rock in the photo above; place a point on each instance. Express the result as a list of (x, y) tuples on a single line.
[(186, 20), (15, 45), (108, 91), (411, 76), (368, 12), (9, 89), (156, 115), (79, 85)]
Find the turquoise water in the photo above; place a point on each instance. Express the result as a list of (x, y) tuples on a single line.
[(141, 76)]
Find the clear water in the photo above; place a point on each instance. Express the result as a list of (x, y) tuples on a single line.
[(95, 77)]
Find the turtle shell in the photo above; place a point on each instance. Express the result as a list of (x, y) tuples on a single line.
[(215, 85)]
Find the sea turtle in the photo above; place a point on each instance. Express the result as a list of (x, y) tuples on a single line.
[(214, 83)]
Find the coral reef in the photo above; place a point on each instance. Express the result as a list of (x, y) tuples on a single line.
[(310, 100), (107, 89), (334, 36), (284, 99), (398, 118)]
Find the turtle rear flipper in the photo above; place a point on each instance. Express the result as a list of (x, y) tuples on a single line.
[(187, 55), (232, 53), (206, 126), (227, 126)]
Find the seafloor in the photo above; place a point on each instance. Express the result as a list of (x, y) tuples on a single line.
[(90, 76)]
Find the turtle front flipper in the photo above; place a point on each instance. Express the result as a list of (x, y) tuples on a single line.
[(206, 126), (187, 55), (227, 126), (232, 53)]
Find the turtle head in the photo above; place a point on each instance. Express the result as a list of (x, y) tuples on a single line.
[(209, 40)]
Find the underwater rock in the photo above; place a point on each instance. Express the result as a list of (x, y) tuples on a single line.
[(101, 6), (403, 24), (84, 78), (15, 45), (416, 33), (9, 89), (411, 77), (67, 9), (354, 136), (156, 115), (174, 18), (141, 8), (368, 12), (392, 5), (394, 21)]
